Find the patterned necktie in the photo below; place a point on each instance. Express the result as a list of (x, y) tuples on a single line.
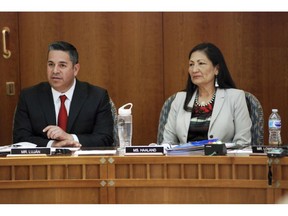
[(62, 117)]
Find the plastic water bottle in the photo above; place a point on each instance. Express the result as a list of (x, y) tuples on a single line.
[(274, 128), (125, 127)]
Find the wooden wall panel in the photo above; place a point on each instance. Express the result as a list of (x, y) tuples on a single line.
[(143, 57), (121, 52), (254, 45), (9, 72)]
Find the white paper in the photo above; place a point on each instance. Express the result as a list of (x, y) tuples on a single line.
[(7, 148), (23, 145), (95, 152), (240, 152), (72, 149)]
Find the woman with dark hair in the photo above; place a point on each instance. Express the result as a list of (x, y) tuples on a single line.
[(210, 107)]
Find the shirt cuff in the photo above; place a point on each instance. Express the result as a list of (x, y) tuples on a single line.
[(75, 137), (49, 144)]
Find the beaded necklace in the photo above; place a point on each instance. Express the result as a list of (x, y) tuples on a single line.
[(203, 104)]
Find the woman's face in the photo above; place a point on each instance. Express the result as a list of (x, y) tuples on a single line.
[(201, 69)]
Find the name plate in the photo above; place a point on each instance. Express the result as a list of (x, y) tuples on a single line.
[(144, 150), (30, 151)]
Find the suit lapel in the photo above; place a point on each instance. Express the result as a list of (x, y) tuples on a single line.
[(47, 104), (219, 101), (78, 99)]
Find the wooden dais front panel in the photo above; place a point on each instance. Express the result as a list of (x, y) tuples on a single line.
[(190, 180), (53, 180), (142, 179)]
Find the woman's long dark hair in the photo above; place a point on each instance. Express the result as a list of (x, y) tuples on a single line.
[(224, 78)]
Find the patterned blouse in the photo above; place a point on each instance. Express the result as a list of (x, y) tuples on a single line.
[(199, 123)]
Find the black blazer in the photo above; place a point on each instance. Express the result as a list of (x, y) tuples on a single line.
[(90, 116)]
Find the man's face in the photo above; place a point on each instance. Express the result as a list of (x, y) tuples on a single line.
[(60, 70)]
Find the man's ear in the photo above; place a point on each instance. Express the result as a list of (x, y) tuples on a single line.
[(76, 69)]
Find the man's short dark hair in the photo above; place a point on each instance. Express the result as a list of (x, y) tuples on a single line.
[(66, 47)]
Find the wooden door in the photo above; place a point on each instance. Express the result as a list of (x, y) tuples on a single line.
[(9, 74), (121, 52)]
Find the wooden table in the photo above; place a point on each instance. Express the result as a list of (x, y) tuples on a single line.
[(142, 179)]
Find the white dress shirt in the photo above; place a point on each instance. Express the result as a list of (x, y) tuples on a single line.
[(57, 104)]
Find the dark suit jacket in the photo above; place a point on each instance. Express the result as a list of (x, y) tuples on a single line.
[(90, 116)]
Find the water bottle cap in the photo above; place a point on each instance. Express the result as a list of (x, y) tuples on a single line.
[(125, 112), (274, 110)]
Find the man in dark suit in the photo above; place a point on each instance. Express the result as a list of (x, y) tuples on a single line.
[(90, 122)]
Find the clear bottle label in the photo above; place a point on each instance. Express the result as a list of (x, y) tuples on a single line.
[(275, 124)]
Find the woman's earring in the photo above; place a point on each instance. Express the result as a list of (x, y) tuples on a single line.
[(216, 82)]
